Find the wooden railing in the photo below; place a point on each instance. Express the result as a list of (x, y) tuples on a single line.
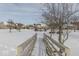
[(25, 49), (53, 47)]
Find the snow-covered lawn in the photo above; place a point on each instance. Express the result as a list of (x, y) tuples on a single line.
[(9, 41), (73, 43)]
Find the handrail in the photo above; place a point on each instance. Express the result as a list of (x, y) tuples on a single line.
[(23, 49), (59, 45)]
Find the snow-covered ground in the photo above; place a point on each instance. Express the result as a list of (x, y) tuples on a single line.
[(9, 41), (73, 43)]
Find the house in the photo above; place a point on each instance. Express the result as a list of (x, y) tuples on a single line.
[(40, 27), (75, 25), (3, 25)]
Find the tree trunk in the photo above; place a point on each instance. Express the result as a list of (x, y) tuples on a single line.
[(10, 30), (60, 35), (60, 40)]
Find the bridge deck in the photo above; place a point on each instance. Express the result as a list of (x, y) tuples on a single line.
[(39, 49)]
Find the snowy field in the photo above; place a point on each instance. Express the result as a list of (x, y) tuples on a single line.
[(9, 41), (73, 43)]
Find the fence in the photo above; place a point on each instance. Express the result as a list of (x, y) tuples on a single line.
[(53, 47), (25, 49)]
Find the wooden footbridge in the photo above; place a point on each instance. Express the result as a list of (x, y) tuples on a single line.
[(41, 46)]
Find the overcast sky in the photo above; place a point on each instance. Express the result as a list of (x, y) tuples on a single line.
[(24, 13)]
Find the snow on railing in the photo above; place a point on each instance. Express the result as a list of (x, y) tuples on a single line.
[(53, 47), (25, 49)]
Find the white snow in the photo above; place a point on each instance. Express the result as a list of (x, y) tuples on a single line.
[(9, 41), (39, 49), (73, 43)]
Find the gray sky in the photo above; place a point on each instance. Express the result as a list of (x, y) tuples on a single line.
[(28, 13)]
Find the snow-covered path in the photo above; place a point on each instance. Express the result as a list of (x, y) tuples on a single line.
[(39, 49)]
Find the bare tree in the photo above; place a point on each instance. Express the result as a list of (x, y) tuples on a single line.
[(10, 24), (19, 26), (57, 16)]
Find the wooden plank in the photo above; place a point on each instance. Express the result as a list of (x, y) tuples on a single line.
[(59, 45), (27, 46), (49, 49), (56, 43)]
